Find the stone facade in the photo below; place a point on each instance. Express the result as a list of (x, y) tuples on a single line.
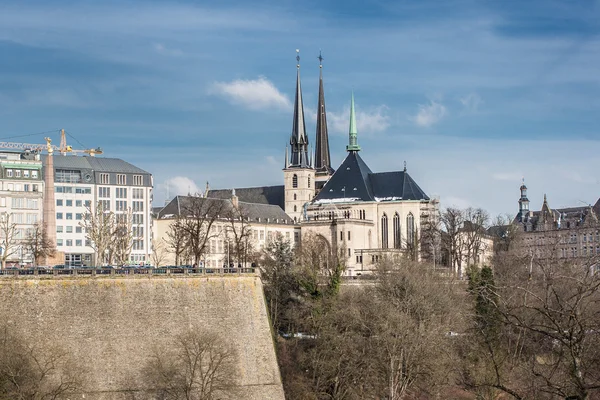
[(111, 326)]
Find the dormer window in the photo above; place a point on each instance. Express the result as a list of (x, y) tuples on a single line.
[(9, 173)]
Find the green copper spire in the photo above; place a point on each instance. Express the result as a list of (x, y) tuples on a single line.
[(353, 144)]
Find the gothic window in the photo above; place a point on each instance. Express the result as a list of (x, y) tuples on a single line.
[(410, 229), (384, 232), (397, 234), (295, 181), (309, 181)]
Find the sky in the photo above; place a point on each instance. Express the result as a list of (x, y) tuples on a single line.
[(474, 95)]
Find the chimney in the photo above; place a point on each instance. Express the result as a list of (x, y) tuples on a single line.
[(234, 199)]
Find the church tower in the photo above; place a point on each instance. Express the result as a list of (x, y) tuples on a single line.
[(299, 174), (322, 155), (523, 203)]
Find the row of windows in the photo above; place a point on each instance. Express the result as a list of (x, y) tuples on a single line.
[(25, 173), (574, 251), (69, 203), (67, 176), (68, 229), (69, 216), (71, 189), (26, 187), (138, 180), (21, 218), (69, 242), (20, 202), (410, 231)]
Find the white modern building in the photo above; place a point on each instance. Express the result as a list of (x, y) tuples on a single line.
[(84, 182), (21, 190)]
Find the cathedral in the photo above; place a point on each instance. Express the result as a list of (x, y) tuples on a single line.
[(365, 214)]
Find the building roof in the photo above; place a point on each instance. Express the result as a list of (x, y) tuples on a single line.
[(255, 212), (354, 181), (98, 164), (273, 195)]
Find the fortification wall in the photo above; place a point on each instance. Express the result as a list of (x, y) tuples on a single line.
[(112, 324)]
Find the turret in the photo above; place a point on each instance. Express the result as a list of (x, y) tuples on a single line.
[(523, 202)]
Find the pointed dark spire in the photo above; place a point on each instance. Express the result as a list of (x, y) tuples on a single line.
[(322, 155), (299, 140)]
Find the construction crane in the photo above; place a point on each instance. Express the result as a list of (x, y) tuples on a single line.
[(49, 147)]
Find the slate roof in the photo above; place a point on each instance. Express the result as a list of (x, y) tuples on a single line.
[(265, 213), (98, 164), (354, 181), (575, 215), (273, 195)]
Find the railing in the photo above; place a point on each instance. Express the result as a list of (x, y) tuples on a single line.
[(91, 271)]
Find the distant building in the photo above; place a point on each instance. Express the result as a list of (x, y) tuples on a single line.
[(563, 233), (21, 191), (256, 222), (80, 184)]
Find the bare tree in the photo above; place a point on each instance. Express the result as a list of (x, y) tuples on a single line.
[(452, 220), (159, 252), (197, 365), (176, 239), (122, 238), (200, 215), (32, 372), (8, 237), (476, 221), (240, 230), (99, 230), (38, 244)]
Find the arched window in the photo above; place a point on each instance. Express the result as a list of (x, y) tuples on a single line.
[(295, 181), (410, 229), (384, 232), (294, 196), (397, 234), (309, 181)]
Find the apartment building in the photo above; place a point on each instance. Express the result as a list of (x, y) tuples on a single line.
[(21, 190), (83, 183)]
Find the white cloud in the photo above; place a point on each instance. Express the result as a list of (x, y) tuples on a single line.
[(471, 102), (507, 176), (374, 120), (257, 94), (178, 185), (430, 114)]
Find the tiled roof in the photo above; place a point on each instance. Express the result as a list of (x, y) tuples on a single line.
[(354, 181), (98, 164), (265, 213), (273, 195)]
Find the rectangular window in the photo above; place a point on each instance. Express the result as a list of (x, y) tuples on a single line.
[(59, 242), (138, 206), (69, 229), (262, 235), (87, 203), (104, 179), (26, 187), (349, 252), (83, 190), (78, 229), (69, 203), (59, 229), (32, 218), (121, 193), (59, 215), (348, 235), (104, 192), (138, 219), (138, 193), (9, 173), (78, 203), (26, 173), (35, 187), (341, 235), (296, 237), (32, 204), (17, 173), (104, 204), (18, 202), (34, 174), (69, 216), (79, 216), (78, 242), (121, 205), (121, 179), (69, 242), (138, 180)]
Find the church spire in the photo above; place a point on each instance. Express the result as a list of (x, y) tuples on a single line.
[(353, 132), (322, 155), (299, 140)]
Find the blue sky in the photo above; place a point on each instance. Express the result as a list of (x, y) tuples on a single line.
[(473, 95)]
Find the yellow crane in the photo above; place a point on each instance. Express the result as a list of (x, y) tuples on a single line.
[(49, 147)]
